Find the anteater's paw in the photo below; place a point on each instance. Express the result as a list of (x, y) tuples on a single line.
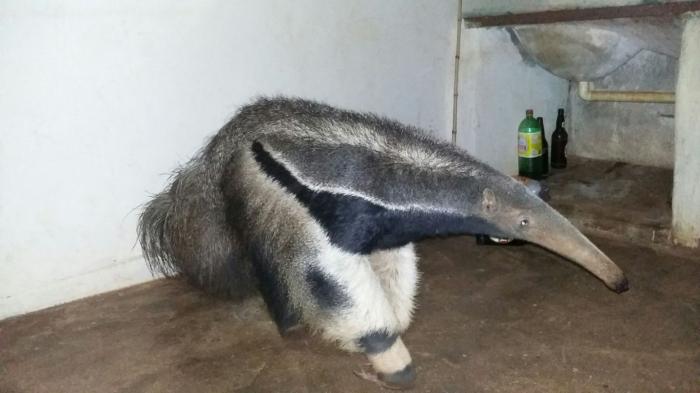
[(296, 337), (294, 332), (400, 380)]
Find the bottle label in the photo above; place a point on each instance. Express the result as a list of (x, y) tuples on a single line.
[(529, 144)]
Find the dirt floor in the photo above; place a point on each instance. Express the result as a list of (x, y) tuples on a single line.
[(491, 319)]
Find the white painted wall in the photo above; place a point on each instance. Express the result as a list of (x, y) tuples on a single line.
[(496, 87), (686, 174), (99, 100)]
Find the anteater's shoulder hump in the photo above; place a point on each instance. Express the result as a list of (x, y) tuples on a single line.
[(292, 114)]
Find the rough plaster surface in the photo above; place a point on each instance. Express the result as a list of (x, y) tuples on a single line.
[(637, 133), (686, 184), (99, 100), (496, 86), (591, 50), (628, 55)]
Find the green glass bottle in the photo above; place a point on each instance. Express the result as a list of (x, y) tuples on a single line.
[(530, 147)]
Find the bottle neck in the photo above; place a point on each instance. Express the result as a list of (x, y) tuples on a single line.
[(560, 121)]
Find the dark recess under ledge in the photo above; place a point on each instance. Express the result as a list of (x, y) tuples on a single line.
[(616, 200)]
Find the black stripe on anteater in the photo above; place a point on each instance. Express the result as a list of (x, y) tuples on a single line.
[(376, 342), (327, 292), (359, 226)]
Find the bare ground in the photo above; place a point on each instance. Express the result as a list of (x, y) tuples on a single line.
[(490, 319)]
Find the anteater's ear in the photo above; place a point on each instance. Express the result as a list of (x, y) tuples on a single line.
[(488, 201)]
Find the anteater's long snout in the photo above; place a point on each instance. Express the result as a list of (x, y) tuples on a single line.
[(557, 234)]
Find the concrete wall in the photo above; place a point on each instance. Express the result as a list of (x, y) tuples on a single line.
[(686, 177), (497, 85), (637, 133), (627, 55), (99, 100)]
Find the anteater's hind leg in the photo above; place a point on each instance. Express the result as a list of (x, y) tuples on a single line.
[(399, 276), (275, 289)]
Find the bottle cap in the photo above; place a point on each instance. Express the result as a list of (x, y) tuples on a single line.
[(528, 112)]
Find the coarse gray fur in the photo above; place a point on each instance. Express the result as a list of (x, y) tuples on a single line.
[(184, 229), (260, 206)]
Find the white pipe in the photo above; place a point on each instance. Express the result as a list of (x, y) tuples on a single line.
[(455, 95), (587, 92)]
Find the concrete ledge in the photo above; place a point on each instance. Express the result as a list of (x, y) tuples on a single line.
[(623, 202)]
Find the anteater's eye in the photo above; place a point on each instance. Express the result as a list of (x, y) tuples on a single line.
[(524, 222)]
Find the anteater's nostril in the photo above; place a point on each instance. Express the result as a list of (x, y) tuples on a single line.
[(622, 286)]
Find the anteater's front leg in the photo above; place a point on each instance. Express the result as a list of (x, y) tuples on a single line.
[(365, 320), (398, 272)]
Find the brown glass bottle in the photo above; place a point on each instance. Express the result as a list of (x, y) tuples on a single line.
[(545, 149), (559, 140)]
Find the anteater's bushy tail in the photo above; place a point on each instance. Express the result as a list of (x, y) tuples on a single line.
[(183, 230), (152, 235)]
